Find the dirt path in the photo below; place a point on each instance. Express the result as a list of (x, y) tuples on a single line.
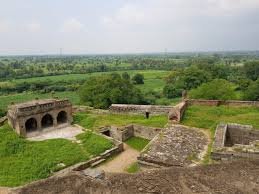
[(121, 161)]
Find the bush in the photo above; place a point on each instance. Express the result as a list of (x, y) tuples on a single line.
[(218, 89), (252, 92), (172, 91), (138, 79)]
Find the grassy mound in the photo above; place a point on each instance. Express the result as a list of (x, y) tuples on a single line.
[(23, 161), (94, 121), (209, 116)]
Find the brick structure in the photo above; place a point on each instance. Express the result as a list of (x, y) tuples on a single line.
[(31, 118)]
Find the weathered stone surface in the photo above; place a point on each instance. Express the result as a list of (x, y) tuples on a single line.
[(230, 178), (175, 146), (30, 118)]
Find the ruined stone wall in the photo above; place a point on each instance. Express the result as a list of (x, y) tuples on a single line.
[(146, 132), (124, 133), (139, 109), (2, 120), (176, 113), (234, 141), (222, 102), (241, 134)]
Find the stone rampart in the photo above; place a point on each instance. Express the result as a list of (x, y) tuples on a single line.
[(139, 109), (223, 102)]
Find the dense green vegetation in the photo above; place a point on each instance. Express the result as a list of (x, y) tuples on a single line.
[(218, 89), (102, 91), (95, 121), (137, 143), (208, 117), (23, 161)]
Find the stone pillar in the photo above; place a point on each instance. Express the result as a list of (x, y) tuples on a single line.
[(55, 122)]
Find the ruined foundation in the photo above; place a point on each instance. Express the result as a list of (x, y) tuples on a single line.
[(234, 141)]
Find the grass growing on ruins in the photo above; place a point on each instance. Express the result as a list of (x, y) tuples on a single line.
[(209, 117), (23, 161), (95, 121), (133, 168), (137, 143), (93, 143)]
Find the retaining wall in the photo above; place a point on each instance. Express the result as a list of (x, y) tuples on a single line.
[(124, 133)]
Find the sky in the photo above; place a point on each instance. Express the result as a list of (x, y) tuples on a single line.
[(127, 26)]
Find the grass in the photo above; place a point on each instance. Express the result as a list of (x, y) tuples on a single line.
[(137, 143), (95, 121), (209, 117), (23, 161), (23, 97), (133, 168)]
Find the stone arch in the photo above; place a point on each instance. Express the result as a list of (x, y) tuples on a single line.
[(47, 121), (31, 125), (62, 117)]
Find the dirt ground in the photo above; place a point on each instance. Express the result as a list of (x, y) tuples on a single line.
[(121, 161), (240, 177)]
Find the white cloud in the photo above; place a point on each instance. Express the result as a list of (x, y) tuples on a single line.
[(34, 27), (4, 26), (157, 11), (72, 25)]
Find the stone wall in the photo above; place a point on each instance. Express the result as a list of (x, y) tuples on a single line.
[(222, 102), (2, 120), (146, 132), (124, 133), (139, 109), (234, 141), (177, 112)]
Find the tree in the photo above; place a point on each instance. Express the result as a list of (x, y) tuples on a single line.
[(218, 89), (252, 92), (251, 70), (125, 76), (138, 79), (188, 78), (102, 91)]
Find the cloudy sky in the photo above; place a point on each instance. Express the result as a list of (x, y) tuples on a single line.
[(127, 26)]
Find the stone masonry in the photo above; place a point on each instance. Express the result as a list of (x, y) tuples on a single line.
[(31, 118), (234, 141)]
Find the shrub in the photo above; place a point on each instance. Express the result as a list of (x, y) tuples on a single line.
[(218, 89), (138, 79)]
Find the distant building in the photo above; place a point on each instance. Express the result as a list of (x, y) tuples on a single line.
[(31, 118)]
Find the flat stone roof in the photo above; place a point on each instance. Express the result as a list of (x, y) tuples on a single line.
[(36, 102), (177, 145)]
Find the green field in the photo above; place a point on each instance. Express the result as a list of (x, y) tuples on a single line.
[(153, 82), (209, 116), (23, 161), (137, 143), (95, 121), (148, 75)]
